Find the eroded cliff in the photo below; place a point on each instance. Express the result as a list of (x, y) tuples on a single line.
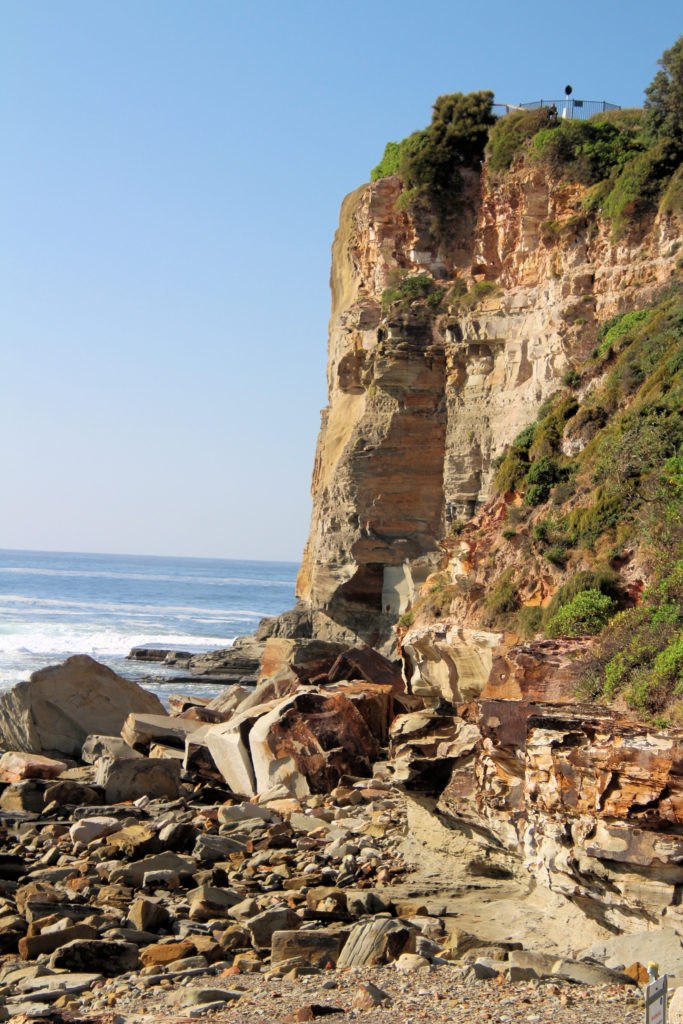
[(423, 395)]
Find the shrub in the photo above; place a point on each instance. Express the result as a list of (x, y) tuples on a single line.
[(641, 653), (586, 151), (509, 135), (542, 474), (640, 184), (429, 160), (464, 299), (524, 439), (511, 471), (389, 163), (529, 620), (508, 534), (557, 555), (586, 613), (570, 378), (604, 579), (404, 291)]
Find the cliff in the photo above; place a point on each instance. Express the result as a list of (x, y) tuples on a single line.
[(423, 395), (498, 500)]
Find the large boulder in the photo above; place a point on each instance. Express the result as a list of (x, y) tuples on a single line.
[(321, 736), (59, 706)]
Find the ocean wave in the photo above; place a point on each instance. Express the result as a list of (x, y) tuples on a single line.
[(101, 643), (148, 577), (61, 605)]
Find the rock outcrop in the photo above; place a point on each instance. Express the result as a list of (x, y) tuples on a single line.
[(419, 404)]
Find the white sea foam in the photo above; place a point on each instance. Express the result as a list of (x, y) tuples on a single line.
[(147, 577), (59, 606)]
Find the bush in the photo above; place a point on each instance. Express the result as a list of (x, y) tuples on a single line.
[(604, 579), (509, 135), (619, 326), (511, 471), (542, 474), (404, 291), (639, 185), (557, 555), (429, 160), (389, 163), (586, 151), (586, 613), (529, 621), (641, 653)]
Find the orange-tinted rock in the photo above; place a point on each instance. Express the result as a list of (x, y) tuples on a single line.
[(15, 766), (164, 953), (323, 736)]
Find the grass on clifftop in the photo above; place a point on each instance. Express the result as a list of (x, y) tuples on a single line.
[(619, 498)]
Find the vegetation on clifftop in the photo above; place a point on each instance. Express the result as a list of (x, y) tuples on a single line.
[(630, 159), (429, 160)]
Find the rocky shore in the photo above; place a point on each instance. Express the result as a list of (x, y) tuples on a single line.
[(279, 851)]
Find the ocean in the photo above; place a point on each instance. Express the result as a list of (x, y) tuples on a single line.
[(55, 604)]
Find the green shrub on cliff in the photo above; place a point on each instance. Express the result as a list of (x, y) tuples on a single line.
[(510, 133), (585, 614), (621, 500), (404, 291), (429, 161)]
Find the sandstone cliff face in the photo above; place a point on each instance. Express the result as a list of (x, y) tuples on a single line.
[(419, 404)]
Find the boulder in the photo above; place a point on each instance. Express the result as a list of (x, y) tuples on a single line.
[(131, 778), (86, 829), (149, 915), (163, 953), (264, 924), (316, 947), (31, 946), (59, 706), (16, 765), (661, 946), (106, 746), (108, 958), (368, 996), (27, 795), (67, 791), (375, 941), (139, 731), (324, 735), (212, 848), (133, 873), (228, 745)]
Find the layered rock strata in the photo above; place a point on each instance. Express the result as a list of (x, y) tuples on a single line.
[(419, 404)]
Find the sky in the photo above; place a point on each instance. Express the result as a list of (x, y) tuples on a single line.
[(170, 183)]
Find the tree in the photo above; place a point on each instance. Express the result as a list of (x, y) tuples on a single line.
[(664, 98)]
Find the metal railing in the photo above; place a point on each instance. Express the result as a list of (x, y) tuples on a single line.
[(567, 107)]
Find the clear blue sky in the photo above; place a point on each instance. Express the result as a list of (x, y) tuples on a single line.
[(169, 188)]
